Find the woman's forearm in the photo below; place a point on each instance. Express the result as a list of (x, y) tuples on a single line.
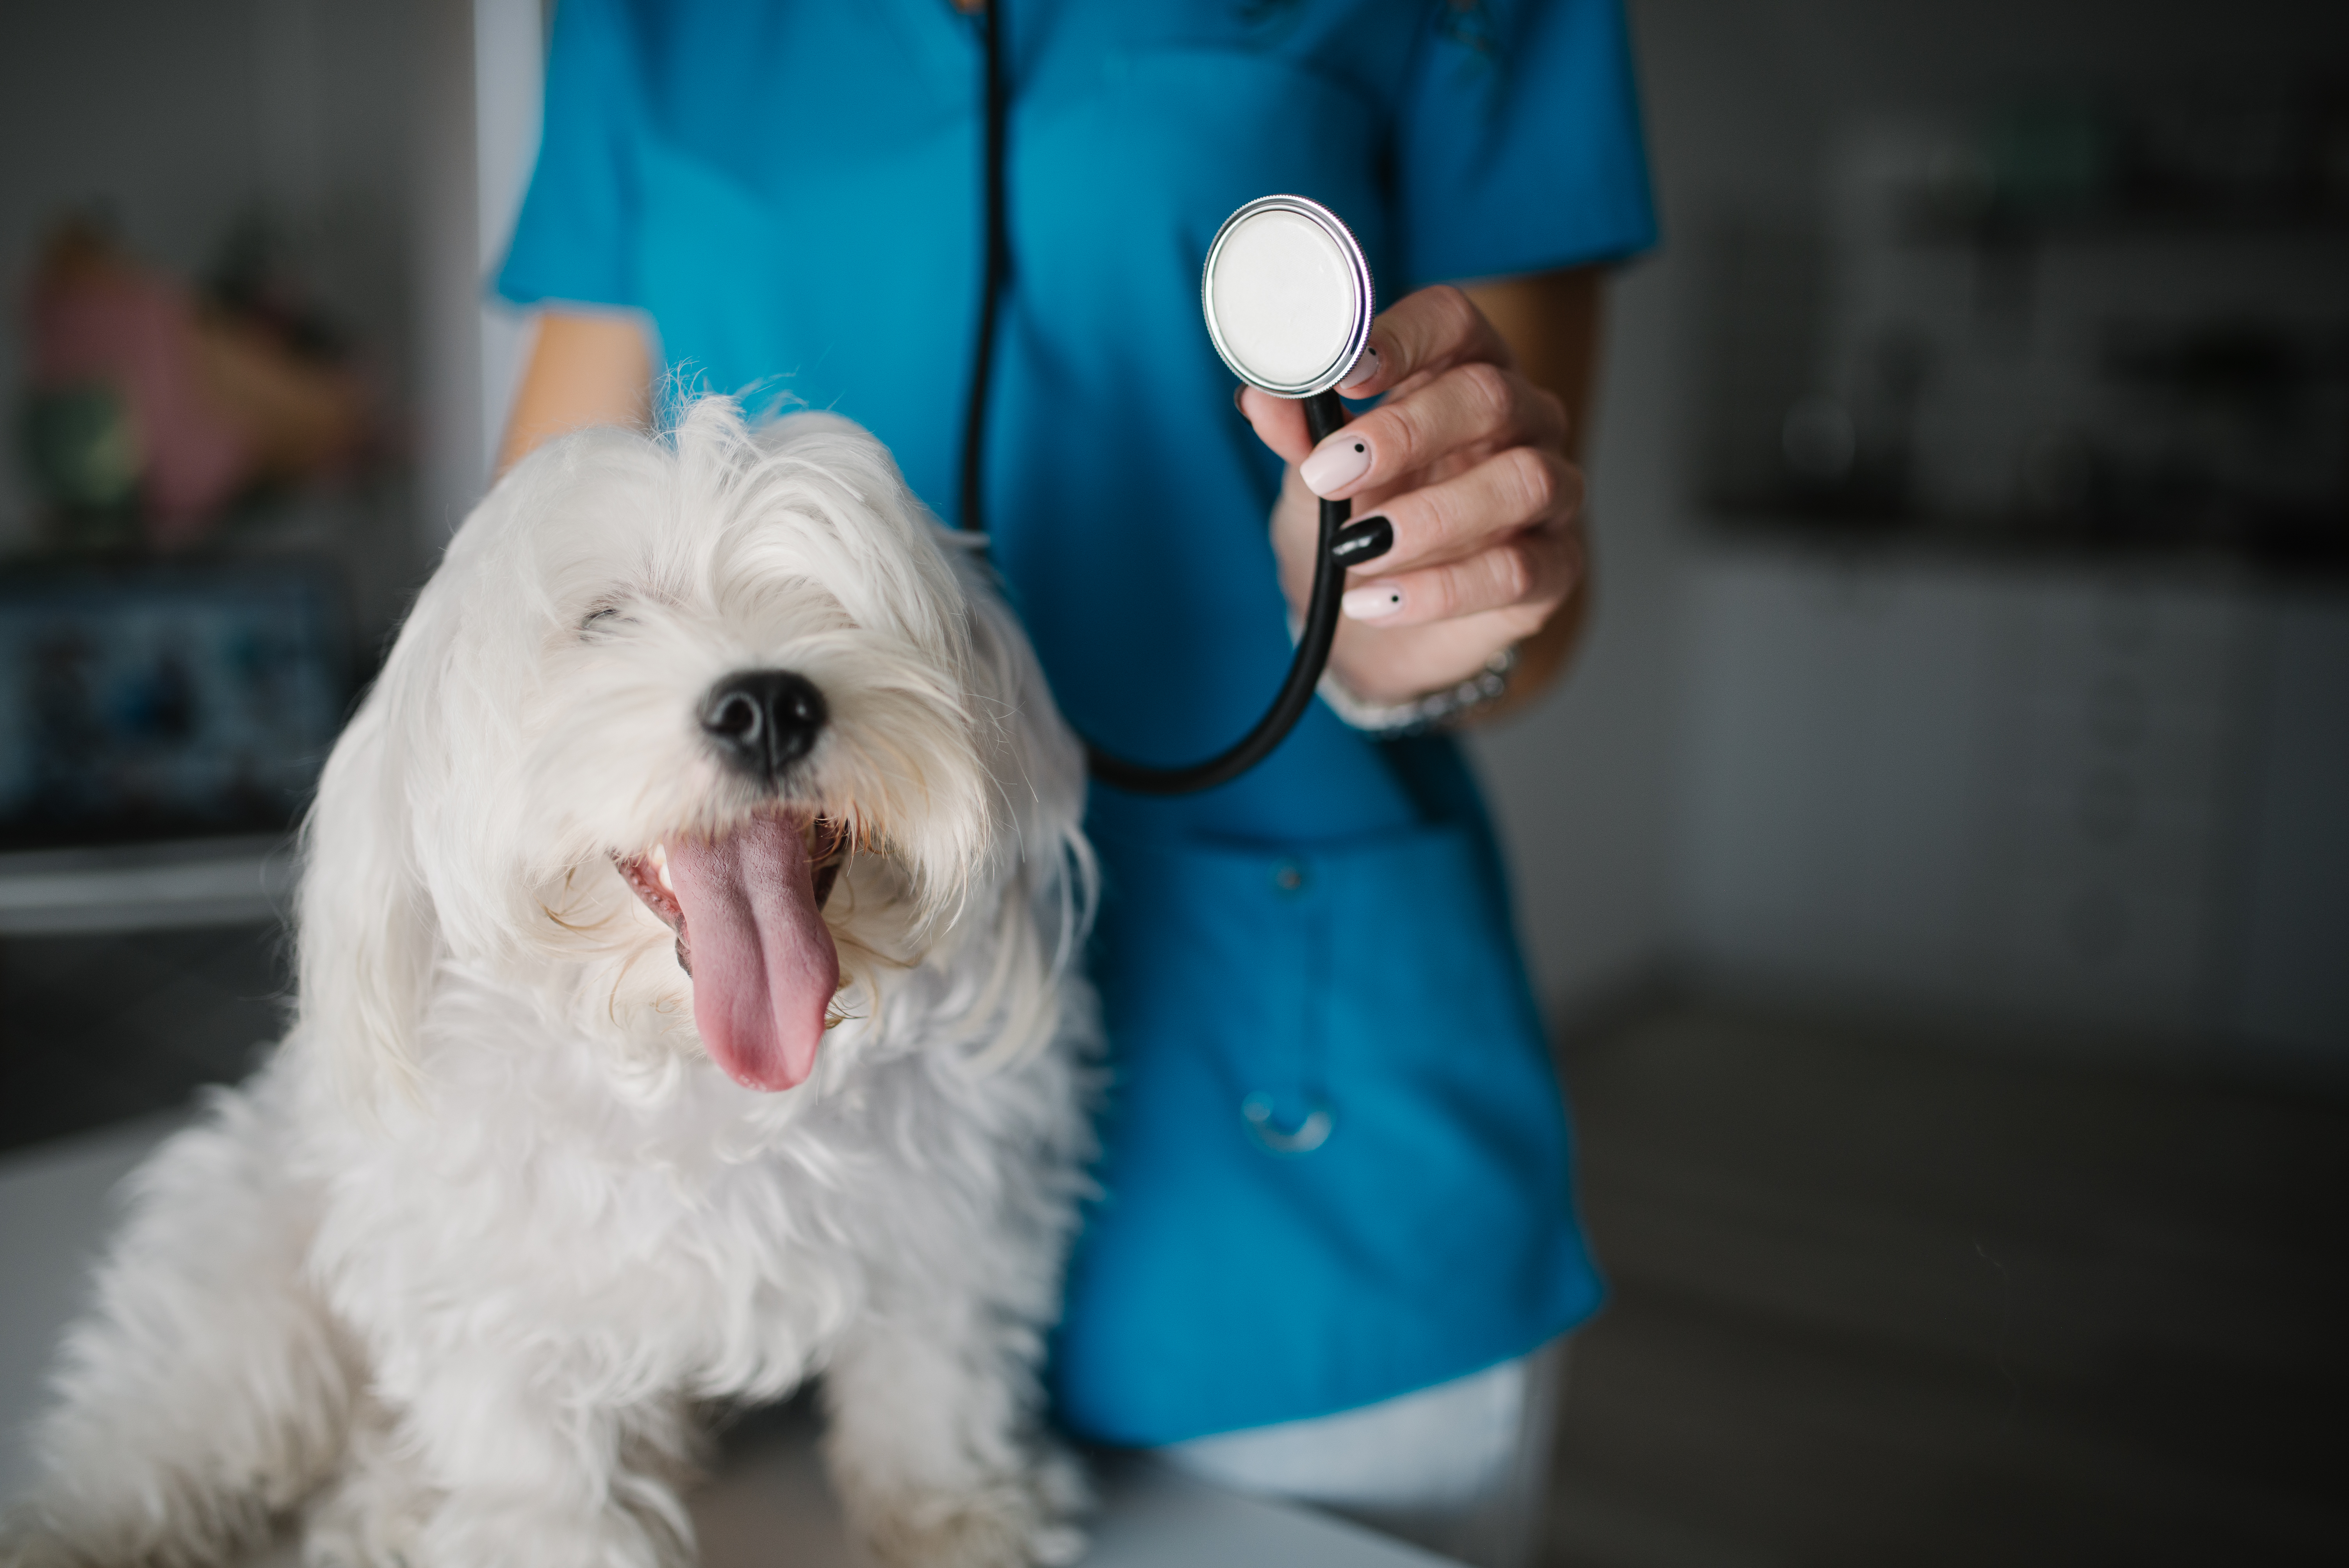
[(587, 367)]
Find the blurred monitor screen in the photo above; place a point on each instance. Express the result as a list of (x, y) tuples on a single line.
[(163, 702)]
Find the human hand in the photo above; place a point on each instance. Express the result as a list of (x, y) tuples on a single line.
[(1467, 461)]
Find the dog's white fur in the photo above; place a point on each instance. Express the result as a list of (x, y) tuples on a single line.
[(454, 1276)]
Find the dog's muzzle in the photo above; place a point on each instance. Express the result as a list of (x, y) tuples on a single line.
[(762, 722)]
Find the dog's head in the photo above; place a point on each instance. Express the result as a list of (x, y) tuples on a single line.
[(704, 740)]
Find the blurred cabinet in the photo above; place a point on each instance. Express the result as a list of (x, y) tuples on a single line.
[(2092, 794), (2110, 716)]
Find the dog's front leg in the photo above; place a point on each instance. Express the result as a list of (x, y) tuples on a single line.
[(526, 1466), (205, 1393), (934, 1446)]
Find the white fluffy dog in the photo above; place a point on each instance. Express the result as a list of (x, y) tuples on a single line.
[(687, 1006)]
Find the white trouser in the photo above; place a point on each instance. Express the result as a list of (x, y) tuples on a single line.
[(1462, 1469)]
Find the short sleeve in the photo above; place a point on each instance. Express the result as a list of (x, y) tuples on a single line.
[(574, 238), (1518, 146)]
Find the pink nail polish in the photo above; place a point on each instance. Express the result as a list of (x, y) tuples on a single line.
[(1366, 369), (1335, 463), (1375, 603)]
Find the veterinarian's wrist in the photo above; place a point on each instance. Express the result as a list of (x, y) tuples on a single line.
[(1439, 709)]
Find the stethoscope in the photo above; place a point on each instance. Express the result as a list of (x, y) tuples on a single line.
[(1288, 298)]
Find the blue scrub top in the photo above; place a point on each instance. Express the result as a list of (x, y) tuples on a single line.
[(792, 193)]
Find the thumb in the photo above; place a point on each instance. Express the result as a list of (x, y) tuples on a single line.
[(1279, 423)]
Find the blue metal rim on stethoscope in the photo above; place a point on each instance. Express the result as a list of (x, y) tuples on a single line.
[(1359, 265)]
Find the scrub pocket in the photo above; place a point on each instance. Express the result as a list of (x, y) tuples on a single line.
[(1337, 1157)]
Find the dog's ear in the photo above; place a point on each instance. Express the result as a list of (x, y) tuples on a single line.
[(367, 938), (1051, 883), (409, 850)]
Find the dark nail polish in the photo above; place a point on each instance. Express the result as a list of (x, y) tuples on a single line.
[(1363, 541)]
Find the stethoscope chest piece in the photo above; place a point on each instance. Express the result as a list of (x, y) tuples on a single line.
[(1287, 294)]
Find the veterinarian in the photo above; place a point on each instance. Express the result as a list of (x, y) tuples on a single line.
[(1338, 1227)]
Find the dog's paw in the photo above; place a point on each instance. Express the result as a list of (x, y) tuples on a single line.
[(366, 1519), (19, 1550), (1023, 1521), (470, 1531), (1061, 1485)]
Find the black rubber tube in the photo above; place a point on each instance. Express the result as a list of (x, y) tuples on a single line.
[(1324, 416), (995, 267)]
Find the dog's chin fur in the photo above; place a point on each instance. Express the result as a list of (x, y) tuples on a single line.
[(452, 1279)]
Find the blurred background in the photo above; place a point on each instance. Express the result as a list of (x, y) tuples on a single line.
[(1937, 865)]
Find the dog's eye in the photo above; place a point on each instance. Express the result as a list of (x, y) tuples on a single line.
[(607, 613)]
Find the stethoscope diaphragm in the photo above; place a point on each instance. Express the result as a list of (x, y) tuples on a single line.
[(1287, 294)]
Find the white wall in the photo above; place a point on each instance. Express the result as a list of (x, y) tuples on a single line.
[(444, 255), (510, 72)]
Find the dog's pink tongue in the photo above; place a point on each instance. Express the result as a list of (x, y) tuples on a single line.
[(764, 967)]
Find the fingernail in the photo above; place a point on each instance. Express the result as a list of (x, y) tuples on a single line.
[(1236, 393), (1360, 543), (1375, 602), (1335, 464), (1366, 370)]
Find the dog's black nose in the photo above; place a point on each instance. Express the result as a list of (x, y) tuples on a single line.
[(762, 721)]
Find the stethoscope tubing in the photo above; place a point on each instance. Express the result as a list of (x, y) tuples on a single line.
[(1324, 417)]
